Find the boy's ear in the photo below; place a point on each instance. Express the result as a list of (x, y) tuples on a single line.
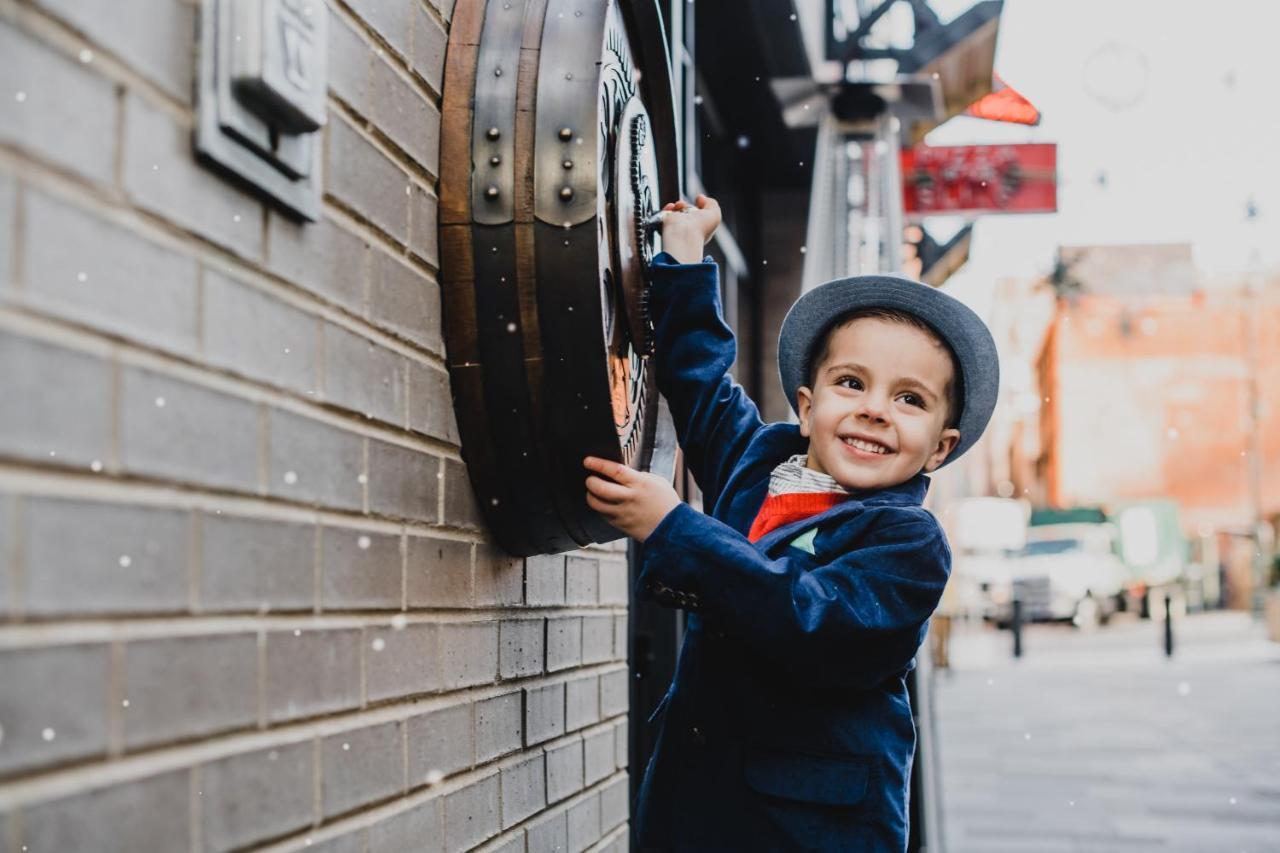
[(947, 442), (804, 403)]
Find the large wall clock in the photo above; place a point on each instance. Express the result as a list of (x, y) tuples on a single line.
[(558, 140)]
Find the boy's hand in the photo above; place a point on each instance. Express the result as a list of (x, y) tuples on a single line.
[(686, 228), (630, 500)]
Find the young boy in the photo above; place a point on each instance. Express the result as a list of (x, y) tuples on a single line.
[(809, 583)]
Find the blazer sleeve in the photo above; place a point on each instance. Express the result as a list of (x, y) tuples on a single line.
[(694, 348), (852, 622)]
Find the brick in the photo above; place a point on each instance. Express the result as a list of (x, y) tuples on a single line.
[(471, 814), (549, 834), (520, 647), (360, 569), (106, 819), (66, 402), (468, 653), (405, 302), (499, 577), (351, 842), (544, 580), (614, 583), (88, 557), (564, 770), (430, 403), (499, 726), (53, 706), (439, 572), (184, 687), (156, 39), (173, 429), (544, 713), (8, 215), (404, 116), (427, 53), (250, 333), (360, 766), (249, 564), (620, 637), (564, 642), (421, 828), (597, 638), (256, 795), (8, 547), (403, 483), (407, 664), (161, 175), (441, 742), (614, 804), (621, 746), (597, 749), (584, 823), (388, 20), (614, 689), (363, 178), (97, 272), (460, 508), (67, 114), (349, 60), (320, 257), (364, 377), (524, 789), (582, 702), (311, 673), (313, 462), (424, 218), (582, 580), (514, 844)]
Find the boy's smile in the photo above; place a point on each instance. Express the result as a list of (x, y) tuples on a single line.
[(877, 413)]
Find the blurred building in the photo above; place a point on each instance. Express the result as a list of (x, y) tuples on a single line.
[(1127, 379)]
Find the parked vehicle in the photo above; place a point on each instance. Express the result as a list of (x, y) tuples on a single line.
[(1064, 572)]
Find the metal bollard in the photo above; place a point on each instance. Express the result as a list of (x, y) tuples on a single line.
[(1016, 627), (1168, 625)]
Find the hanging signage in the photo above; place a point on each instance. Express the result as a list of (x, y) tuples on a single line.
[(558, 141), (969, 180)]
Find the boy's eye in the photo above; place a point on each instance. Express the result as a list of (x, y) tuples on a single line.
[(849, 382), (913, 400)]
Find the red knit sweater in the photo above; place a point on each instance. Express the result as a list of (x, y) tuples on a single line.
[(778, 510)]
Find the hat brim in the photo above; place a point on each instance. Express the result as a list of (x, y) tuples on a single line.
[(962, 330)]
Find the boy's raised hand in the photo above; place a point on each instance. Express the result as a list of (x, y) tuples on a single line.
[(632, 501), (686, 228)]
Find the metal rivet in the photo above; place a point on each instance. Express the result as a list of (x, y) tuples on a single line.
[(566, 133), (497, 72), (493, 133), (568, 75), (493, 250), (566, 193), (495, 160), (491, 193), (568, 164)]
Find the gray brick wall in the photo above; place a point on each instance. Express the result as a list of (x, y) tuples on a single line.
[(246, 598)]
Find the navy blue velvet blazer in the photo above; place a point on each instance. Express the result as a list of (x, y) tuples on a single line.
[(787, 725)]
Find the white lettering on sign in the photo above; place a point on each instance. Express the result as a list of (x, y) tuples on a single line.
[(297, 56)]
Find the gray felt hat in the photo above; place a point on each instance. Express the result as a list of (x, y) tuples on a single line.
[(975, 350)]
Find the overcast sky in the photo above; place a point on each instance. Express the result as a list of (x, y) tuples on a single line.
[(1167, 118)]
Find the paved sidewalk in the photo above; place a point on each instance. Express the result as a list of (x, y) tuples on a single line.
[(1095, 742)]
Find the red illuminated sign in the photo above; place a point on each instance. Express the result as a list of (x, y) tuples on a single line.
[(976, 179)]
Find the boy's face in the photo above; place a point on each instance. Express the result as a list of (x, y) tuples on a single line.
[(877, 413)]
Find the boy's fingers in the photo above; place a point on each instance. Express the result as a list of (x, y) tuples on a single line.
[(613, 470), (606, 490)]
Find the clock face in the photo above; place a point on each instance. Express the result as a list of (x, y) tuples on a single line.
[(548, 178)]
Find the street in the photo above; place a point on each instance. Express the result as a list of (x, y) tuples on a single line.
[(1095, 742)]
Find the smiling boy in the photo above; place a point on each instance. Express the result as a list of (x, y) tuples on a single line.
[(810, 581)]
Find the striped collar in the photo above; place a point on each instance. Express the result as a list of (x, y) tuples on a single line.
[(793, 476)]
